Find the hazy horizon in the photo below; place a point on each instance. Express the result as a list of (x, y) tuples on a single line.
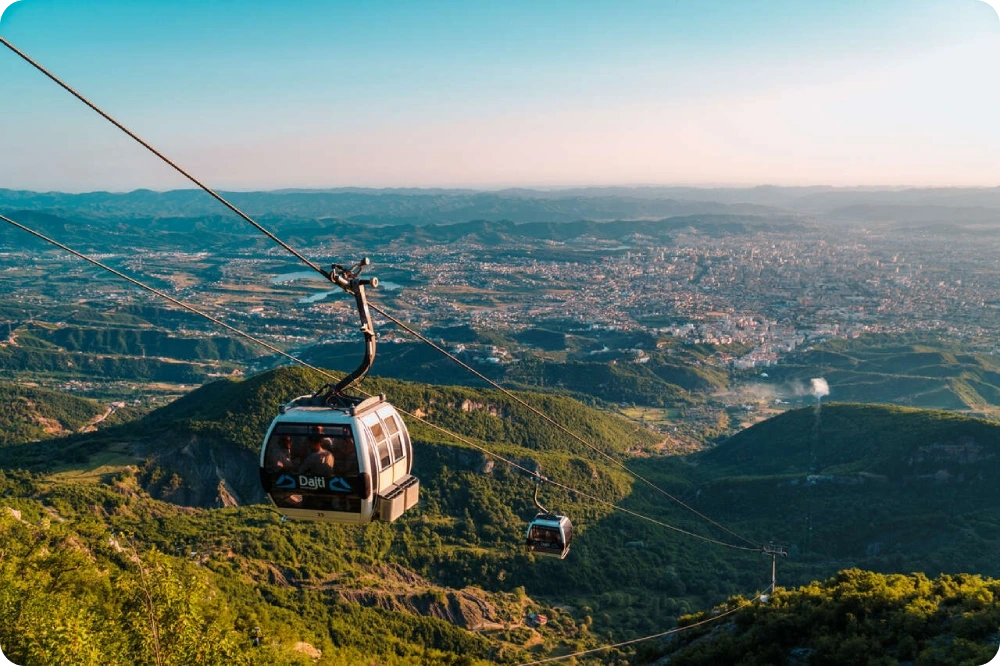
[(708, 187), (252, 96)]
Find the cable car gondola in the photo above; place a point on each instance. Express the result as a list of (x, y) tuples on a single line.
[(549, 534), (339, 458)]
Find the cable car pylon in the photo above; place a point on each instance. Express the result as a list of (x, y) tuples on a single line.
[(775, 552)]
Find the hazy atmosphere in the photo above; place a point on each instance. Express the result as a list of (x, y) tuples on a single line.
[(598, 333), (261, 95)]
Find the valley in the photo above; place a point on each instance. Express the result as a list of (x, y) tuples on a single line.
[(131, 435)]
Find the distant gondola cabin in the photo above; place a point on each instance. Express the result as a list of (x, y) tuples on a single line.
[(550, 534)]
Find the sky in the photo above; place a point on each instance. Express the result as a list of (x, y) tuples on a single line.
[(321, 93)]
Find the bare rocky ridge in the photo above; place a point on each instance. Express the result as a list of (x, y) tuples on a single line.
[(399, 589), (200, 471)]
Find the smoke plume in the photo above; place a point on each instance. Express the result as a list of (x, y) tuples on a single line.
[(819, 387)]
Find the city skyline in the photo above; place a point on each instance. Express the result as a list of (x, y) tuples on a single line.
[(323, 95)]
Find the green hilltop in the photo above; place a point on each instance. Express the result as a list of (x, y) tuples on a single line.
[(29, 413), (879, 487), (120, 349), (882, 488), (858, 617), (925, 372), (841, 438), (96, 575)]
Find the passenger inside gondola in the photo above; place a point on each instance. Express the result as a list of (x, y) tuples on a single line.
[(545, 538), (319, 462), (279, 458), (345, 456), (313, 452)]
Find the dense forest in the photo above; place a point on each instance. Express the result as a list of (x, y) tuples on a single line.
[(857, 617), (74, 590), (450, 581), (28, 413)]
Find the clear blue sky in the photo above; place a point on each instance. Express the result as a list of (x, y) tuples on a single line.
[(262, 95)]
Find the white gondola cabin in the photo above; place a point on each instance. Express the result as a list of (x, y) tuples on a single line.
[(335, 457), (347, 464), (550, 534)]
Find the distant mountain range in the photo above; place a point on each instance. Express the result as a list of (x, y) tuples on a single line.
[(377, 206), (442, 206), (81, 230)]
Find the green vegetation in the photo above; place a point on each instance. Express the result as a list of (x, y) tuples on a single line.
[(663, 381), (614, 383), (883, 488), (122, 353), (29, 414), (75, 590), (858, 617), (37, 362), (131, 342), (845, 439), (886, 489), (542, 338), (66, 601), (922, 372)]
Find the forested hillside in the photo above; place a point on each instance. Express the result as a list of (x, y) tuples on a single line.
[(660, 382), (29, 413), (858, 617), (887, 489), (131, 342), (884, 488), (925, 372), (98, 575)]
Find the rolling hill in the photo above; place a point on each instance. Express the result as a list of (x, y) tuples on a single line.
[(886, 489), (607, 377), (29, 413), (857, 618), (927, 374), (878, 487)]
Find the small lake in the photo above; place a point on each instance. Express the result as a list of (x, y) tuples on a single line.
[(316, 298), (298, 275)]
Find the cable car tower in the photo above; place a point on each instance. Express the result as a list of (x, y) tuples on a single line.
[(775, 552)]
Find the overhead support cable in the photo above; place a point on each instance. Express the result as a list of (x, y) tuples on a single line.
[(552, 421), (157, 292), (344, 284), (579, 493), (163, 157), (327, 375), (714, 618)]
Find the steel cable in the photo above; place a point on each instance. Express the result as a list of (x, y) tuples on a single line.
[(327, 375), (376, 308), (163, 157), (676, 630)]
